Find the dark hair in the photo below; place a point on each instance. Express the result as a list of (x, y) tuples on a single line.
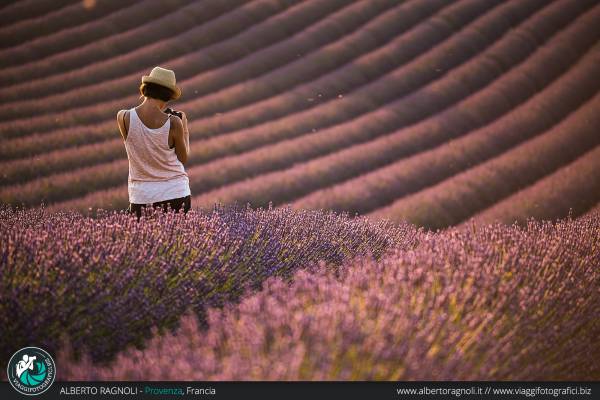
[(156, 91)]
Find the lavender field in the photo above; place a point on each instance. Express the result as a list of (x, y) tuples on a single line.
[(276, 294), (382, 189)]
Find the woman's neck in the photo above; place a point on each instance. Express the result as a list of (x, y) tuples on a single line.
[(153, 104)]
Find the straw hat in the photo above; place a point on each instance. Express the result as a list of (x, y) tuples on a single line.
[(163, 77)]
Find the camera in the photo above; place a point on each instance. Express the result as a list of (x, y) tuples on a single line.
[(174, 112)]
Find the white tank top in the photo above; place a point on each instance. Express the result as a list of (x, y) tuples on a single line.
[(155, 172)]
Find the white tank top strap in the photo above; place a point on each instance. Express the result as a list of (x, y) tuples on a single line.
[(134, 116), (132, 120)]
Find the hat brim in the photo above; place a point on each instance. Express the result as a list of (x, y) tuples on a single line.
[(176, 90)]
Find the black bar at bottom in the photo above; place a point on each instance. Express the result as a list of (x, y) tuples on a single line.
[(313, 390)]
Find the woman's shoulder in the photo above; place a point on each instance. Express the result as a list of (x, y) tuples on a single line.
[(176, 122), (124, 121), (123, 113)]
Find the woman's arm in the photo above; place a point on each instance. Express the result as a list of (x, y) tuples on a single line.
[(122, 121), (186, 133), (181, 138)]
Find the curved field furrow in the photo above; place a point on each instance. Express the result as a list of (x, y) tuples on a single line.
[(71, 16), (421, 69), (54, 162), (197, 36), (359, 68), (7, 3), (65, 39), (62, 190), (595, 209), (256, 102), (266, 39), (402, 177), (223, 171), (567, 93), (456, 199), (260, 62), (574, 187), (398, 83), (230, 51), (23, 10), (34, 144), (176, 33), (380, 186)]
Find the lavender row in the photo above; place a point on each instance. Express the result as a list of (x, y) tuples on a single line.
[(219, 82), (107, 281), (107, 174), (500, 93), (490, 302), (223, 20), (221, 172), (23, 10), (558, 103), (276, 106), (24, 33), (224, 63), (459, 197), (573, 188)]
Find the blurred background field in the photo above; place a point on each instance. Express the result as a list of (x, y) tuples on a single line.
[(429, 111)]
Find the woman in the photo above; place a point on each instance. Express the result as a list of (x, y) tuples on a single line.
[(157, 145)]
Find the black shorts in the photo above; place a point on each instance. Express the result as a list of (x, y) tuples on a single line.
[(175, 204)]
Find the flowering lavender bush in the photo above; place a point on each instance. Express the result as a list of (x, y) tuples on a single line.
[(106, 281), (480, 302)]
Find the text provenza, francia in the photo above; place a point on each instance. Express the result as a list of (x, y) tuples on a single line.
[(133, 390)]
